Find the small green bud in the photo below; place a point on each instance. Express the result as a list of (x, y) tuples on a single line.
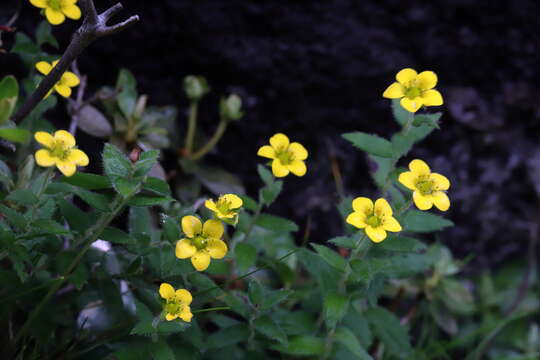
[(195, 87), (231, 107)]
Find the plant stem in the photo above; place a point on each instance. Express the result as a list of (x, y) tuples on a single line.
[(408, 124), (92, 234), (192, 126), (211, 309), (213, 141)]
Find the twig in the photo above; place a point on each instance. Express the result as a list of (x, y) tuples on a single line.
[(93, 27)]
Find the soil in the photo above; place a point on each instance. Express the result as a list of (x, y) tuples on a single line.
[(317, 69)]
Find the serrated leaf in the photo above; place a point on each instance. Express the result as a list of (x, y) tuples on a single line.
[(228, 336), (145, 200), (265, 174), (270, 192), (157, 186), (421, 221), (347, 338), (87, 181), (115, 163), (275, 223), (23, 197), (335, 306), (245, 256), (116, 236), (371, 144), (388, 328), (266, 326), (402, 244), (77, 219), (343, 241), (146, 162), (127, 95), (303, 345), (13, 217), (49, 226), (331, 257)]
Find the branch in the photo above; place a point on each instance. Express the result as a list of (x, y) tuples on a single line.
[(94, 26)]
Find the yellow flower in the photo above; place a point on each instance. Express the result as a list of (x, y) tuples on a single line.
[(429, 188), (286, 157), (57, 10), (60, 151), (66, 82), (414, 90), (203, 242), (226, 207), (375, 220), (176, 302)]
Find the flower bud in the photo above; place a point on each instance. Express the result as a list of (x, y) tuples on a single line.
[(231, 107), (195, 87)]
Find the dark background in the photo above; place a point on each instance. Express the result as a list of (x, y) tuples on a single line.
[(317, 69)]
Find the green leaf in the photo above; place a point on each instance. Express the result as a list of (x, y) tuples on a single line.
[(275, 223), (25, 47), (303, 345), (402, 244), (388, 328), (255, 292), (127, 96), (371, 144), (400, 114), (219, 181), (265, 174), (270, 192), (228, 336), (266, 326), (126, 187), (13, 217), (171, 228), (115, 163), (140, 221), (429, 120), (398, 266), (331, 257), (49, 226), (421, 221), (9, 92), (161, 351), (116, 236), (249, 203), (456, 296), (97, 201), (347, 338), (383, 167), (344, 242), (93, 122), (78, 220), (17, 135), (87, 181), (246, 256), (145, 200), (146, 162), (335, 307), (44, 35), (157, 186), (23, 197)]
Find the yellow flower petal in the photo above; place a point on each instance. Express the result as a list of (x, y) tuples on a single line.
[(191, 226), (216, 248), (39, 3), (357, 219), (213, 229), (441, 200), (408, 179), (405, 76), (44, 158), (394, 91), (44, 138), (184, 249), (267, 151), (186, 314), (63, 90), (298, 150), (278, 169), (279, 141), (382, 208), (64, 137), (422, 202), (66, 168), (363, 205), (200, 260), (55, 62), (391, 224), (70, 79), (432, 98), (210, 204), (297, 167), (72, 12), (170, 317), (377, 234), (419, 167), (48, 93), (184, 296), (166, 291), (78, 157), (234, 200), (411, 105), (440, 181), (54, 17), (427, 80), (44, 67)]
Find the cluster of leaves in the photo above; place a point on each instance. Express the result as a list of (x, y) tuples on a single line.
[(83, 257)]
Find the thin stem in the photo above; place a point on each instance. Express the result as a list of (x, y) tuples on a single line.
[(408, 124), (92, 234), (192, 126), (213, 141), (219, 308)]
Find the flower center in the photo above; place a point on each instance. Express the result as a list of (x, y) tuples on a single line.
[(223, 206), (173, 306), (55, 4), (199, 242), (374, 221), (413, 91), (285, 156), (60, 150), (425, 187)]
